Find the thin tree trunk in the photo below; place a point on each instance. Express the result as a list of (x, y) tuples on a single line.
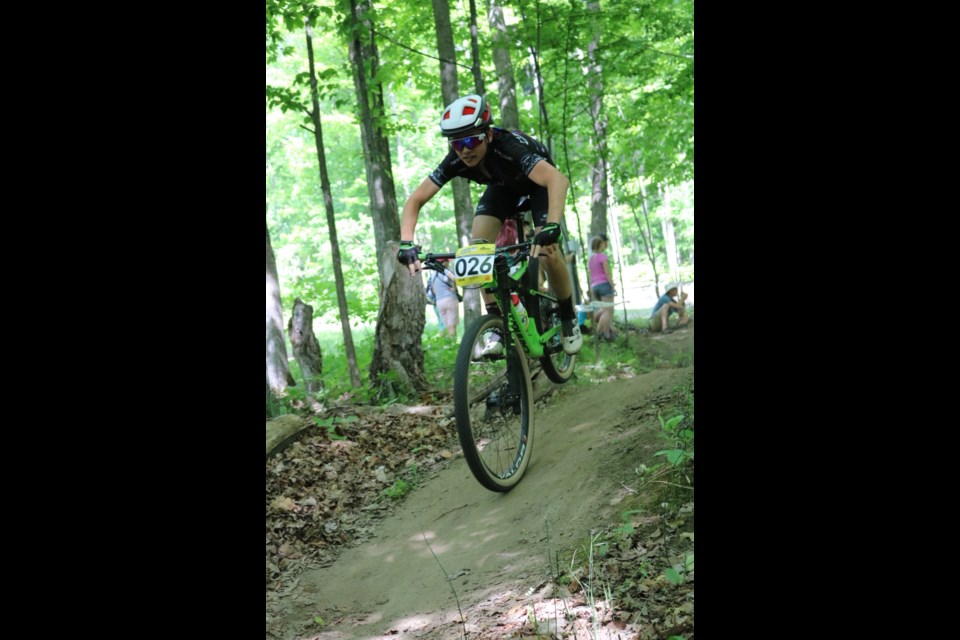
[(669, 237), (278, 374), (450, 90), (306, 348), (634, 242), (348, 346), (509, 117), (398, 354), (598, 201), (365, 59), (648, 237), (544, 128), (475, 50), (563, 130)]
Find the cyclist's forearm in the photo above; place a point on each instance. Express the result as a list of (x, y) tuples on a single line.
[(556, 197), (411, 210), (408, 220), (546, 175)]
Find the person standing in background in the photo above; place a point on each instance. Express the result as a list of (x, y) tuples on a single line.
[(601, 287), (444, 290)]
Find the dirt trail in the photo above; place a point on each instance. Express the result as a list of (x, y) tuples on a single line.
[(588, 439)]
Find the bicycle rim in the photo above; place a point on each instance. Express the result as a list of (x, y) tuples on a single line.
[(495, 427)]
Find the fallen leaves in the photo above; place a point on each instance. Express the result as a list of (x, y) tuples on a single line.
[(326, 489)]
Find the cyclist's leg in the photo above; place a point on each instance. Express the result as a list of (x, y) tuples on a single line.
[(486, 226), (551, 257)]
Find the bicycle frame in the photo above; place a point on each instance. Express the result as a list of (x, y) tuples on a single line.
[(507, 280), (493, 387)]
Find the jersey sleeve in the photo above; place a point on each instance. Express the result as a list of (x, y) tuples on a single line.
[(444, 172), (523, 150)]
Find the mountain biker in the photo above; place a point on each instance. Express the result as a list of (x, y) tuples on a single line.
[(513, 165)]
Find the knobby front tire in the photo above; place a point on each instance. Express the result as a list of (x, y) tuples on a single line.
[(495, 427)]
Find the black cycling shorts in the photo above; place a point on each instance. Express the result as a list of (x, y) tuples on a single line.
[(500, 201)]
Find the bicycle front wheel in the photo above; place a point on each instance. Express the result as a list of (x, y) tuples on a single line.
[(494, 417)]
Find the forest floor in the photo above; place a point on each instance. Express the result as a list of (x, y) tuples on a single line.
[(377, 529)]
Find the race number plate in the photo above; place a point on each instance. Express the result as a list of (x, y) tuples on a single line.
[(474, 264)]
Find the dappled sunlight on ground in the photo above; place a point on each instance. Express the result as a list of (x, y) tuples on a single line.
[(491, 549)]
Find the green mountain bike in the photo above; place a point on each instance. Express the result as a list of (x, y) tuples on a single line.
[(492, 387)]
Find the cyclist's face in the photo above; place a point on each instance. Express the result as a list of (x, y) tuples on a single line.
[(472, 157)]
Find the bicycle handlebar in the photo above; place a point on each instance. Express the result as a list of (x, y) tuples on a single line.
[(429, 260)]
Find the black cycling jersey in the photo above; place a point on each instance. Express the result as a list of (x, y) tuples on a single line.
[(509, 160)]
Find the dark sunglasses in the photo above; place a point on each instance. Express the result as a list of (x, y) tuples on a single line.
[(470, 142)]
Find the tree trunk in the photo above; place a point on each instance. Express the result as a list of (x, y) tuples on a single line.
[(669, 237), (450, 90), (634, 242), (400, 321), (509, 117), (348, 347), (584, 242), (543, 131), (397, 346), (269, 401), (475, 50), (648, 236), (365, 59), (278, 374), (598, 201), (306, 348)]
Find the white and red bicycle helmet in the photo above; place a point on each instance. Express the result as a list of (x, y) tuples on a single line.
[(464, 115)]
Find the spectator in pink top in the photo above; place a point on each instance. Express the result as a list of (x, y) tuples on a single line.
[(601, 286)]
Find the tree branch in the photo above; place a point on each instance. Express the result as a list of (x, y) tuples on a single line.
[(308, 129), (425, 55)]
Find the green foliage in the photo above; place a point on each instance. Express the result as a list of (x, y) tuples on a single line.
[(439, 356), (681, 438), (399, 489), (677, 573), (330, 424), (626, 528), (646, 50), (275, 407), (678, 432), (402, 487)]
